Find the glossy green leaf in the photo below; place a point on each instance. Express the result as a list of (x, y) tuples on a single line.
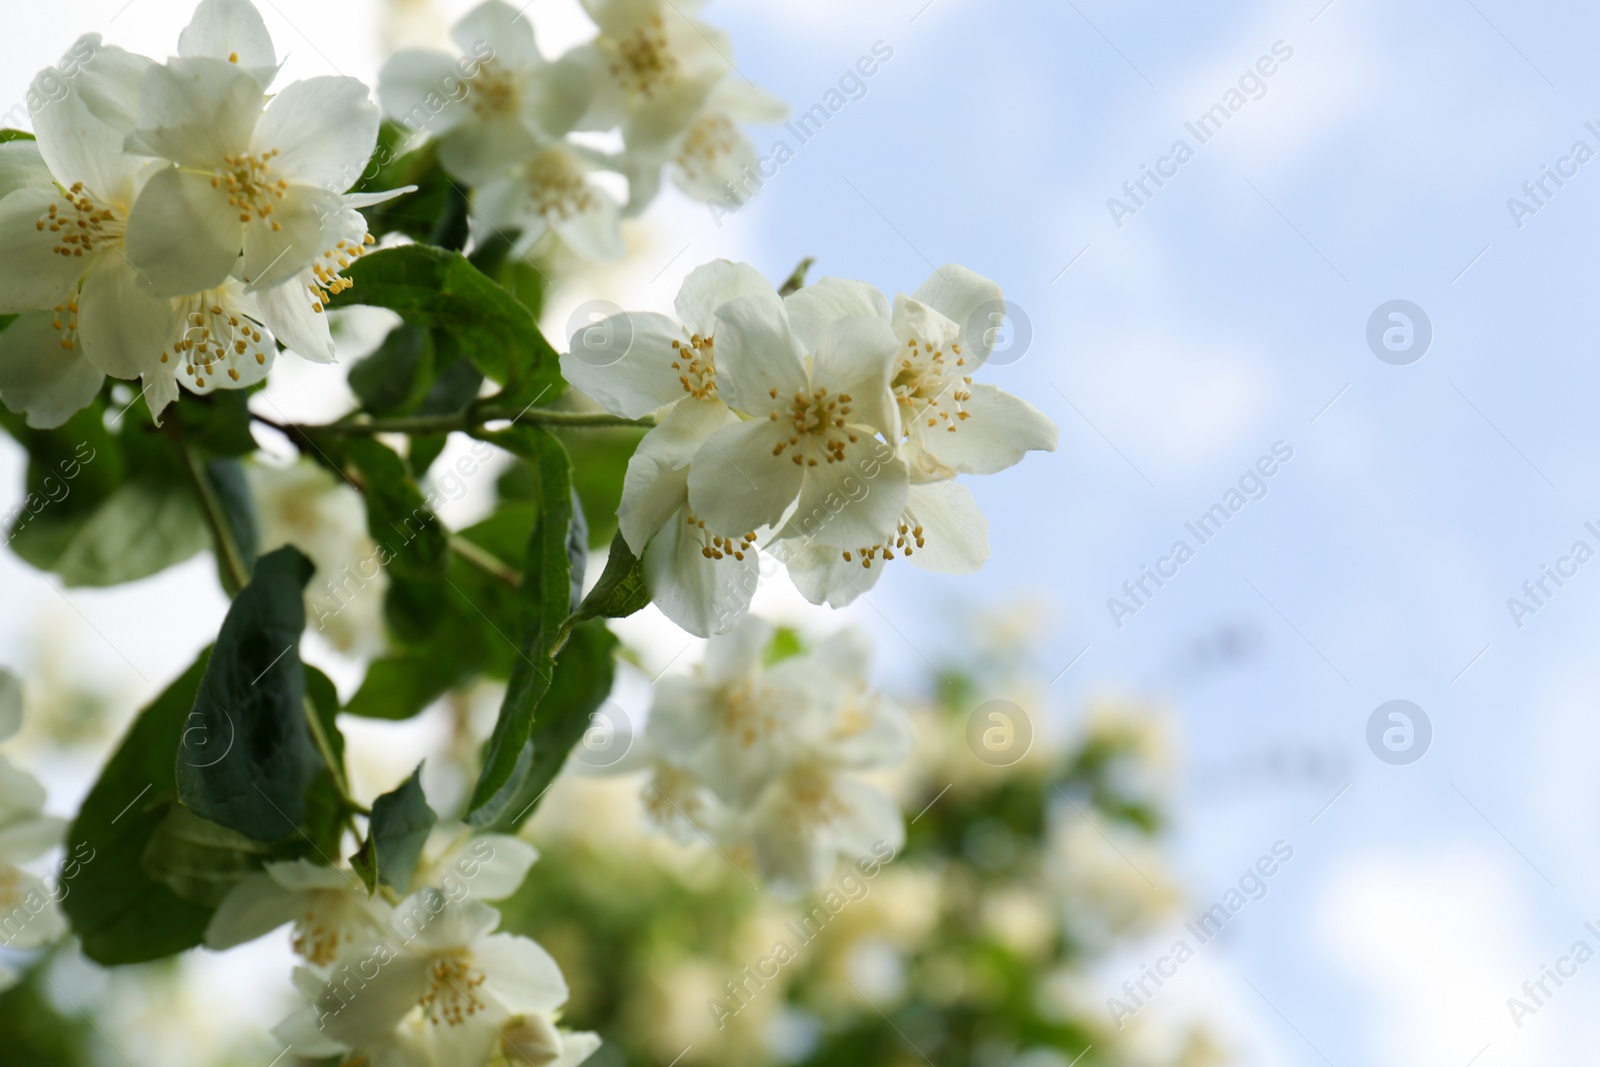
[(247, 756), (396, 832), (200, 860)]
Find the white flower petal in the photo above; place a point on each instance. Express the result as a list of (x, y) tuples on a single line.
[(31, 917), (737, 484), (123, 328), (854, 358), (823, 575), (715, 161), (39, 377), (356, 1015), (737, 653), (474, 152), (744, 102), (955, 533), (196, 111), (855, 502), (85, 116), (704, 596), (33, 274), (576, 1047), (501, 27), (500, 873), (305, 875), (307, 224), (231, 30), (183, 235), (288, 310), (30, 838), (656, 483), (593, 231), (626, 362), (757, 354), (22, 167), (323, 129), (999, 431), (436, 924), (301, 1031), (958, 293), (421, 89), (871, 819), (709, 286), (255, 907), (519, 974), (813, 308)]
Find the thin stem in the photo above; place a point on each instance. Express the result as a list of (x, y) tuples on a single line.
[(485, 561), (319, 737), (235, 576), (470, 419)]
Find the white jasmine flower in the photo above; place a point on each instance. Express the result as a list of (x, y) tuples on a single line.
[(216, 339), (952, 425), (328, 906), (85, 311), (709, 159), (941, 530), (551, 191), (732, 724), (488, 866), (231, 30), (442, 992), (264, 182), (29, 915), (495, 105), (654, 65), (817, 400), (646, 362), (818, 809)]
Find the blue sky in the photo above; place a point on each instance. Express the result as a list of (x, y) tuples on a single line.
[(1227, 314)]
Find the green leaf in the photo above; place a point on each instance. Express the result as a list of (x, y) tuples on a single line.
[(547, 589), (141, 529), (325, 808), (15, 135), (199, 860), (584, 672), (392, 167), (252, 702), (464, 643), (434, 288), (395, 377), (120, 913), (217, 423), (396, 833), (620, 591), (412, 543)]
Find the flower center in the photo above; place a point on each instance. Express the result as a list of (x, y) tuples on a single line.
[(317, 936), (66, 322), (747, 714), (642, 62), (710, 138), (215, 336), (84, 224), (924, 377), (326, 267), (715, 546), (452, 996), (697, 365), (814, 417), (810, 798), (493, 90), (908, 538), (556, 186), (251, 188)]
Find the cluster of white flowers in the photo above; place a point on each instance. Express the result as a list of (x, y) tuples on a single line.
[(765, 762), (30, 916), (425, 982), (502, 115), (173, 221), (826, 426)]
